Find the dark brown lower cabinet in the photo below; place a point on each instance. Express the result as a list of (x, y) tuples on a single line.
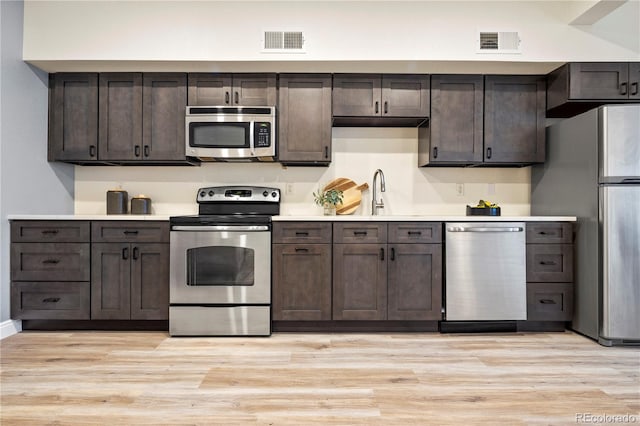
[(301, 282), (129, 281), (414, 282), (550, 271), (359, 282)]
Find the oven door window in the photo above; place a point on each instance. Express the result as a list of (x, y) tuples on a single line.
[(220, 266), (219, 135)]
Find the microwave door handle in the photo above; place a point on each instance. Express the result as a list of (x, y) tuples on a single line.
[(251, 148)]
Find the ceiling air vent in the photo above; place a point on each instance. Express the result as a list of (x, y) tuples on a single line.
[(498, 42), (283, 42)]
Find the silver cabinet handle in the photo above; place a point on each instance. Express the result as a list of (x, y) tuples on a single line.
[(239, 228), (479, 229)]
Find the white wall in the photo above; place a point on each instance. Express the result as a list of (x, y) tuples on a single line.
[(357, 153), (28, 184), (403, 36)]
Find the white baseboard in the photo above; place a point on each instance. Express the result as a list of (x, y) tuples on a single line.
[(9, 328)]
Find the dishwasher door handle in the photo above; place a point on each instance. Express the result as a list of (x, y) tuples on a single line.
[(484, 229)]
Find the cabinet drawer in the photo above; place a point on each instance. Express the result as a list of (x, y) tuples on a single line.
[(550, 233), (50, 261), (358, 232), (549, 263), (302, 232), (415, 232), (50, 300), (549, 301), (52, 231), (129, 231)]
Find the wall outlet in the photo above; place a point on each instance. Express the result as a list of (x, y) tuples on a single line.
[(459, 189), (491, 188), (288, 189)]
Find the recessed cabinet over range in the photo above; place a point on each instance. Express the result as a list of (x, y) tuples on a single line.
[(400, 100), (484, 121), (209, 89)]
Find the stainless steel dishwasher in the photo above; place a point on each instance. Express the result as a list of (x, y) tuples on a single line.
[(485, 271)]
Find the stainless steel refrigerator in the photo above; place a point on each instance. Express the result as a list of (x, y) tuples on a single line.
[(592, 171)]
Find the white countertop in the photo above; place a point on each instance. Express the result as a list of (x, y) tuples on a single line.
[(337, 218), (426, 218), (86, 217)]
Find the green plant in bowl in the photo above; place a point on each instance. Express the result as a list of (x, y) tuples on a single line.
[(328, 199)]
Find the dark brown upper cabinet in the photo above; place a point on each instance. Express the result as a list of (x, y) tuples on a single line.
[(384, 100), (455, 132), (579, 86), (304, 109), (484, 121), (73, 117), (209, 89), (117, 118), (514, 119), (142, 117)]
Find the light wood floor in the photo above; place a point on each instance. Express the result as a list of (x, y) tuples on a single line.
[(120, 378)]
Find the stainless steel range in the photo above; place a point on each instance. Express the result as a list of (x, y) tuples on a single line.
[(220, 263)]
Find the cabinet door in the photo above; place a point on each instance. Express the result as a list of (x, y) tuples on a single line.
[(597, 80), (405, 96), (357, 95), (514, 119), (301, 282), (165, 100), (73, 117), (149, 281), (110, 281), (209, 89), (254, 89), (634, 80), (359, 282), (120, 115), (415, 282), (457, 109), (304, 108)]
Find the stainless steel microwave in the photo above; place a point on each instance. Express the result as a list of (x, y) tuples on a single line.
[(223, 133)]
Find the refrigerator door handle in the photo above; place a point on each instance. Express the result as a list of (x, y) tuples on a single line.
[(631, 180)]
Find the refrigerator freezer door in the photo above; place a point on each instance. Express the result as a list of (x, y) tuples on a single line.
[(620, 143), (620, 227)]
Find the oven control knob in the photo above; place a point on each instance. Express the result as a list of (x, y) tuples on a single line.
[(265, 193), (211, 193), (274, 194), (202, 193)]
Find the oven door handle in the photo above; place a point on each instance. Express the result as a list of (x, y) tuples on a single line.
[(237, 228)]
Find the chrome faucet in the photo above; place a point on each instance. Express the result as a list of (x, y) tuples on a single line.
[(375, 205)]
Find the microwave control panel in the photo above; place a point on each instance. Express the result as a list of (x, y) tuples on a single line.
[(262, 134)]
